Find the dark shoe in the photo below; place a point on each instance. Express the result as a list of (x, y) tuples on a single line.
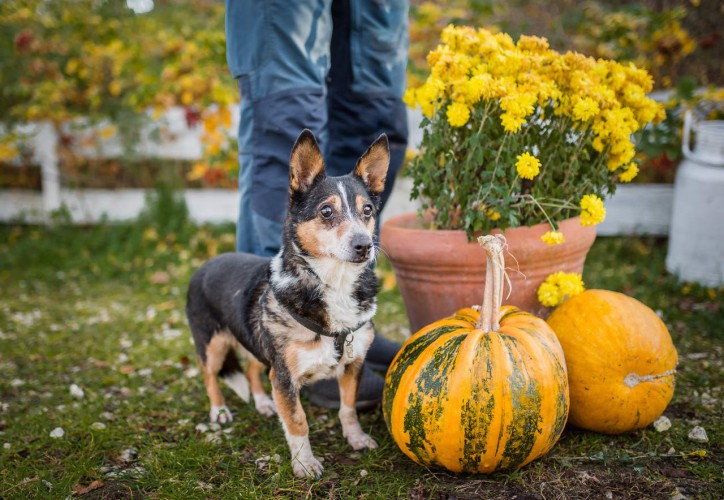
[(325, 393), (381, 353)]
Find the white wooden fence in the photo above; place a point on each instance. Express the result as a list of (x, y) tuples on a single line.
[(635, 209)]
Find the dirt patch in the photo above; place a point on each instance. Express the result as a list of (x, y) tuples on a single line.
[(550, 482), (114, 490)]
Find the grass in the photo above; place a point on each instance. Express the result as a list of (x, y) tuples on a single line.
[(102, 307)]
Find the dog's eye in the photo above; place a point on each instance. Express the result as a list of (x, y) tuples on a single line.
[(326, 212), (367, 211)]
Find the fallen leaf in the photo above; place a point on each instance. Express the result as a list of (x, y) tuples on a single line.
[(166, 306), (673, 472), (80, 490), (159, 278)]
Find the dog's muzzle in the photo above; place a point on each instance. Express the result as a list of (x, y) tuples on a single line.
[(361, 247)]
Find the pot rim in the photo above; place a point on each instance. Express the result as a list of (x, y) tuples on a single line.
[(401, 223)]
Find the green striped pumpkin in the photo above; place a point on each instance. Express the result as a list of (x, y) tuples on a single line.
[(470, 400)]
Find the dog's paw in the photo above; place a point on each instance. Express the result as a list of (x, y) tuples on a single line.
[(361, 441), (307, 467), (220, 414), (265, 405)]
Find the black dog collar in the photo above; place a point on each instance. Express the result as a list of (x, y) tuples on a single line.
[(340, 337)]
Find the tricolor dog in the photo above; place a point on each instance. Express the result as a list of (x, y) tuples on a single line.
[(304, 314)]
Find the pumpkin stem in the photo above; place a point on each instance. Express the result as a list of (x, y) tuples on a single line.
[(494, 273)]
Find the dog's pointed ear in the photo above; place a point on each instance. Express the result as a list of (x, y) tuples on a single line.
[(372, 166), (306, 164)]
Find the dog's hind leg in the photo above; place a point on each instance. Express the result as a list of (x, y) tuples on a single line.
[(234, 377), (262, 401), (221, 360)]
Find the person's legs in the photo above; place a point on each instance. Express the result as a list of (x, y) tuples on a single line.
[(279, 51)]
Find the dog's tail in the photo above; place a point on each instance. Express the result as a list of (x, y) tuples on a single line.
[(234, 377)]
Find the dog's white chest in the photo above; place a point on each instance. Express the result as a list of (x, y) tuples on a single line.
[(340, 278), (323, 361)]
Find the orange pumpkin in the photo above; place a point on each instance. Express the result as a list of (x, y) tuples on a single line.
[(474, 394), (621, 361)]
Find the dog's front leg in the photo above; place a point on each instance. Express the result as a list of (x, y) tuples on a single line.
[(348, 377), (294, 422)]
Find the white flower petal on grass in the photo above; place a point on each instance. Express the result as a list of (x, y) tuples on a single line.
[(17, 382), (129, 455), (171, 333), (698, 434), (662, 424), (57, 433), (204, 486), (6, 446), (98, 426), (202, 428), (192, 373), (213, 438), (76, 391)]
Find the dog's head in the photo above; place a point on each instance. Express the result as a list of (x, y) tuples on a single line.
[(335, 216)]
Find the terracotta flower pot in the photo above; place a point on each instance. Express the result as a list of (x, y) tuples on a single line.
[(439, 271)]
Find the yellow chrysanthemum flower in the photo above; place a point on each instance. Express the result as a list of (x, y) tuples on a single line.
[(629, 174), (458, 114), (427, 95), (533, 44), (520, 103), (410, 97), (511, 123), (592, 210), (528, 166), (492, 214), (553, 238), (470, 90), (585, 109), (558, 287)]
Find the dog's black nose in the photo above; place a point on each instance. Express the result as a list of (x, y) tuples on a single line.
[(362, 245)]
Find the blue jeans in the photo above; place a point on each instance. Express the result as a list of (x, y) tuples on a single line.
[(336, 67)]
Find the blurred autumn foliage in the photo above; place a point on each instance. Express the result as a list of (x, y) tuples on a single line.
[(84, 62), (667, 38)]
